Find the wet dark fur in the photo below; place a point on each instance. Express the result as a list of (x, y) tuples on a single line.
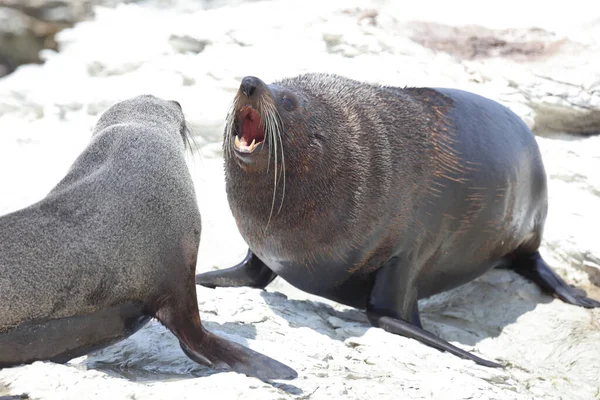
[(112, 245), (391, 195)]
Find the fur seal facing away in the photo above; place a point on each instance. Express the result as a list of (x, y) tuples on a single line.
[(112, 245), (376, 197)]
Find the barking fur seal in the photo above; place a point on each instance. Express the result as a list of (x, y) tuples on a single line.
[(377, 197)]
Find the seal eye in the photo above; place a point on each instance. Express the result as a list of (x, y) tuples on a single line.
[(288, 103)]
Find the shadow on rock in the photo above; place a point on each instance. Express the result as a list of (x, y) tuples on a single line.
[(153, 354), (467, 315)]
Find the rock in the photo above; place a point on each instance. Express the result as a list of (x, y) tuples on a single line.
[(476, 42), (27, 27), (185, 44), (544, 66)]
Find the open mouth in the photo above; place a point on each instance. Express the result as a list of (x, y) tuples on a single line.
[(250, 134)]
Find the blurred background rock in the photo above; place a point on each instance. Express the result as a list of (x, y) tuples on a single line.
[(28, 26)]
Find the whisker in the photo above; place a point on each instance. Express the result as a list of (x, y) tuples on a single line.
[(273, 129), (189, 142), (231, 125), (282, 171), (271, 124), (277, 123), (274, 182), (229, 120), (262, 104)]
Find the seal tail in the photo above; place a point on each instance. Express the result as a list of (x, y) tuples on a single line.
[(208, 349), (536, 270)]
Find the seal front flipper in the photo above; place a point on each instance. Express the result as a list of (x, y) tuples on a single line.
[(393, 307), (250, 272), (535, 269)]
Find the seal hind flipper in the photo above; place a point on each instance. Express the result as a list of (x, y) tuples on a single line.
[(250, 272), (225, 354), (206, 348), (406, 329), (536, 270), (393, 307)]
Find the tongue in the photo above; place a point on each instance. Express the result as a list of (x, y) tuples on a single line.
[(251, 131)]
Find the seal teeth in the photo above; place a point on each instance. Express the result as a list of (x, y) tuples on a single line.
[(237, 141), (253, 144)]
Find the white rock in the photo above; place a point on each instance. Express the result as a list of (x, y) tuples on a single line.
[(552, 349)]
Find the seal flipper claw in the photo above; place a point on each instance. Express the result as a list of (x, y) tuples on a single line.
[(250, 272), (393, 307), (199, 358), (536, 270)]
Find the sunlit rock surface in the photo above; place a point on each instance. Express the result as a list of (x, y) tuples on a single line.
[(540, 61)]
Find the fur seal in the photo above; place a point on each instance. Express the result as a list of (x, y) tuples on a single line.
[(376, 197), (112, 245)]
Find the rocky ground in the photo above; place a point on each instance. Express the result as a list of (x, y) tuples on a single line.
[(542, 62)]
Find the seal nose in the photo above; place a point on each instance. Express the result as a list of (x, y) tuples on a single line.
[(249, 85)]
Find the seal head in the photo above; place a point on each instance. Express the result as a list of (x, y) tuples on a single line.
[(255, 134)]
